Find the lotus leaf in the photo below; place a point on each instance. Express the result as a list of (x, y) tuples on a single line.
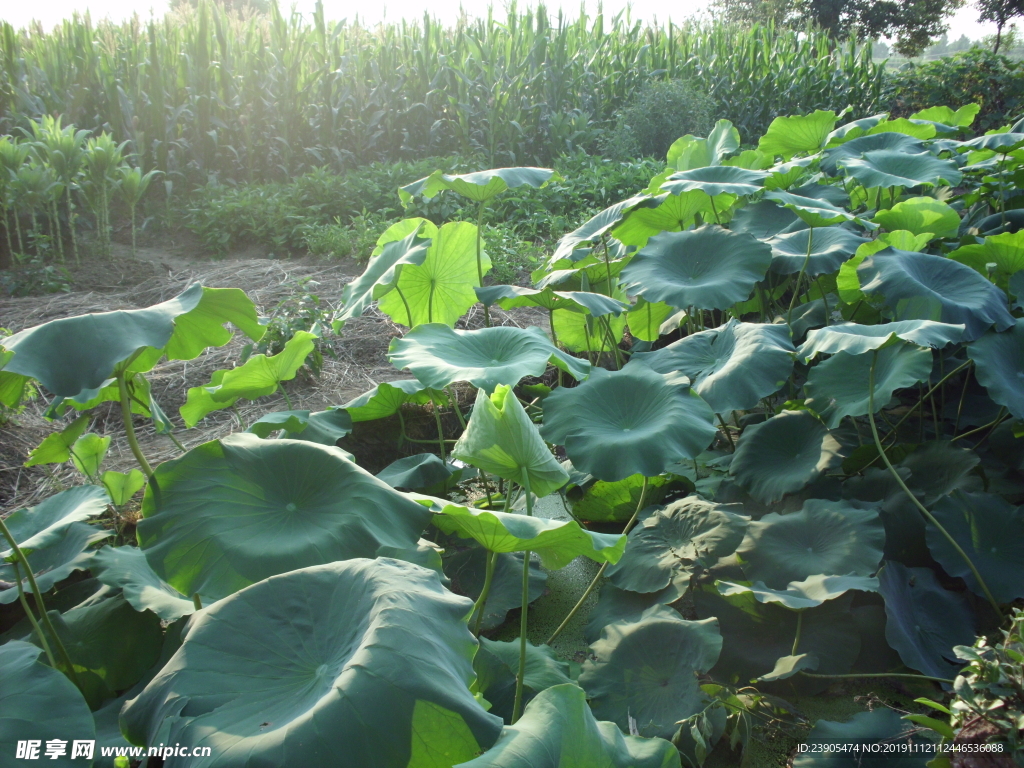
[(691, 152), (232, 512), (669, 212), (757, 634), (964, 296), (834, 538), (580, 333), (646, 319), (799, 595), (829, 248), (56, 447), (856, 339), (924, 621), (38, 703), (1006, 251), (647, 670), (733, 366), (838, 387), (787, 666), (502, 440), (75, 356), (497, 664), (880, 726), (601, 501), (814, 212), (788, 136), (558, 730), (785, 175), (765, 219), (44, 524), (856, 147), (405, 243), (919, 215), (387, 398), (670, 541), (66, 550), (999, 360), (556, 541), (991, 532), (324, 427), (1003, 143), (783, 454), (372, 654), (615, 605), (716, 180), (122, 486), (415, 472), (438, 355), (898, 168), (594, 228), (127, 569), (706, 268), (914, 128), (259, 376), (480, 186), (961, 118), (584, 302), (633, 421)]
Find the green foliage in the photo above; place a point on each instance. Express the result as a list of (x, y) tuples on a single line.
[(655, 116)]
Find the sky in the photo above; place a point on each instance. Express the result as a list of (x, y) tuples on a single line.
[(50, 12)]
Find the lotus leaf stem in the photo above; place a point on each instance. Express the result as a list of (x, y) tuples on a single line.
[(999, 419), (31, 616), (903, 675), (800, 277), (408, 312), (454, 397), (481, 601), (929, 393), (479, 256), (796, 637), (604, 566), (824, 300), (725, 429), (197, 602), (924, 510), (19, 555), (517, 707), (281, 389), (129, 428), (440, 432)]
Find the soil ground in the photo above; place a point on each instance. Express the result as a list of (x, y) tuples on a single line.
[(354, 362)]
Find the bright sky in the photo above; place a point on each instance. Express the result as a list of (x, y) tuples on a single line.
[(52, 11)]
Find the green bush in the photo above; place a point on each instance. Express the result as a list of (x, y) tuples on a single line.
[(976, 76), (658, 114)]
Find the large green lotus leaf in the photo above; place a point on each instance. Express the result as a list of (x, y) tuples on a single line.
[(388, 397), (856, 147), (765, 219), (556, 541), (440, 289), (716, 180), (584, 302), (814, 212), (582, 333), (690, 152), (991, 532), (895, 168), (1006, 251), (733, 366), (800, 595), (633, 421), (404, 243), (75, 356), (497, 665), (438, 355), (785, 175), (839, 388), (856, 339), (39, 703), (961, 118), (374, 655), (757, 634), (56, 447), (127, 569), (706, 268), (914, 128), (829, 246), (480, 186), (324, 427), (259, 376), (604, 502), (998, 364), (788, 136), (42, 525), (671, 540), (919, 215), (783, 454), (834, 538), (830, 742), (67, 550), (424, 470), (646, 671), (1004, 143), (614, 605), (558, 730), (669, 212), (645, 319), (924, 621), (964, 296), (502, 440), (467, 570), (122, 486), (232, 512), (594, 228)]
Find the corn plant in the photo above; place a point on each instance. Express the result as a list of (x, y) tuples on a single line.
[(63, 149), (132, 183), (103, 158)]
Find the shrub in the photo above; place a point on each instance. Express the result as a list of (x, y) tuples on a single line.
[(658, 114), (976, 76)]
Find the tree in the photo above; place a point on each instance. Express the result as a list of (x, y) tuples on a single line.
[(1000, 12)]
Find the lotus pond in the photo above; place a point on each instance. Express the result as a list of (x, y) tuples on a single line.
[(766, 455)]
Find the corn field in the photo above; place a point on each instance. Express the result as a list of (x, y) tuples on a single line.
[(203, 94)]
